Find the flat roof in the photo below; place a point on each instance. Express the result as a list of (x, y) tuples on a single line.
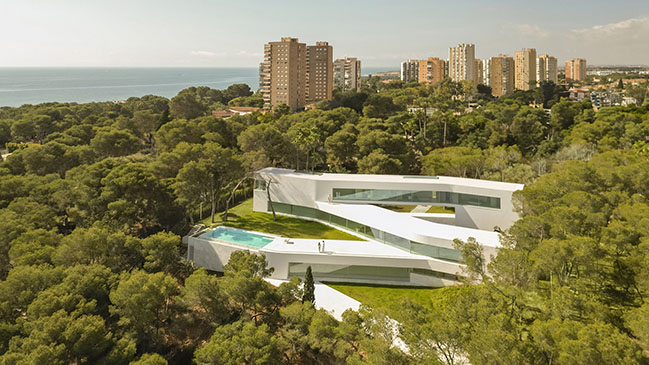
[(339, 247), (405, 225), (422, 179)]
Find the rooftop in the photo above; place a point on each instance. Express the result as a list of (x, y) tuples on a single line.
[(339, 247), (443, 180), (406, 225)]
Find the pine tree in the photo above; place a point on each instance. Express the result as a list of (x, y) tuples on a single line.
[(620, 84), (309, 287)]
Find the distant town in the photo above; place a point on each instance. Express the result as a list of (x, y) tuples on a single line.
[(298, 75)]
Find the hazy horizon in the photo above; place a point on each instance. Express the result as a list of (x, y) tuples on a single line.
[(203, 33)]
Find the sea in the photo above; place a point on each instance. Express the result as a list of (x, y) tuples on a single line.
[(20, 86)]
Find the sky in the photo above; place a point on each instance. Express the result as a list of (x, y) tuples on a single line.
[(382, 33)]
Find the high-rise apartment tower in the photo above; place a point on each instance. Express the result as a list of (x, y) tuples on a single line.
[(431, 70), (478, 72), (501, 75), (410, 70), (525, 64), (461, 62), (546, 68), (576, 69), (319, 70), (293, 73), (284, 79), (347, 74)]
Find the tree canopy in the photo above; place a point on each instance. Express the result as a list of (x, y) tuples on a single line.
[(94, 198)]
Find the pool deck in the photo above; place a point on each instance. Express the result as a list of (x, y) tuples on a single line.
[(336, 247), (340, 248)]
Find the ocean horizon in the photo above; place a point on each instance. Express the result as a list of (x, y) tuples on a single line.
[(35, 85)]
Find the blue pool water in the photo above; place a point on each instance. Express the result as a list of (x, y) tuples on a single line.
[(238, 236)]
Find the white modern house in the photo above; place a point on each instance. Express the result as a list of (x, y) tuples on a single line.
[(394, 248)]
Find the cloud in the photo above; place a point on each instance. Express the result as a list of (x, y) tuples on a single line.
[(526, 30), (207, 54), (632, 30)]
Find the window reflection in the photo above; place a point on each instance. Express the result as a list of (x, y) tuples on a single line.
[(415, 196)]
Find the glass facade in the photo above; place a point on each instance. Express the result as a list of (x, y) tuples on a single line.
[(415, 196), (441, 253), (260, 184), (351, 272), (360, 272)]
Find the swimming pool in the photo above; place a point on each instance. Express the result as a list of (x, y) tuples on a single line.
[(238, 236)]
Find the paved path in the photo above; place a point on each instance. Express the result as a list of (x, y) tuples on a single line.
[(336, 303), (420, 209), (328, 298)]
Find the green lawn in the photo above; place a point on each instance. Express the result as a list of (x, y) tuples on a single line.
[(438, 209), (390, 297), (242, 216), (408, 208)]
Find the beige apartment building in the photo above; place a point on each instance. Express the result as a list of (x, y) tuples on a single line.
[(576, 69), (431, 70), (293, 73), (546, 68), (461, 62), (347, 74), (501, 75), (525, 69), (284, 79), (319, 70)]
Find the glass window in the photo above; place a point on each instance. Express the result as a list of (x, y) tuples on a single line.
[(351, 272), (434, 273), (281, 207), (441, 253), (356, 227), (396, 241), (415, 196), (304, 211), (338, 221), (449, 254), (260, 184), (323, 216)]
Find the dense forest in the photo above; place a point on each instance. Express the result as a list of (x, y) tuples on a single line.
[(94, 198)]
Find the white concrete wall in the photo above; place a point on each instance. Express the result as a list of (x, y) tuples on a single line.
[(280, 261), (212, 255), (306, 189)]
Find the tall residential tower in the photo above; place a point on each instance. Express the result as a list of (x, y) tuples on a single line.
[(431, 70), (293, 73), (461, 62), (501, 75), (284, 79), (576, 69), (525, 64), (347, 74), (319, 71), (546, 68), (410, 70)]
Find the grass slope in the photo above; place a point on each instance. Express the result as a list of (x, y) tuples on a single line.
[(390, 297), (242, 216)]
